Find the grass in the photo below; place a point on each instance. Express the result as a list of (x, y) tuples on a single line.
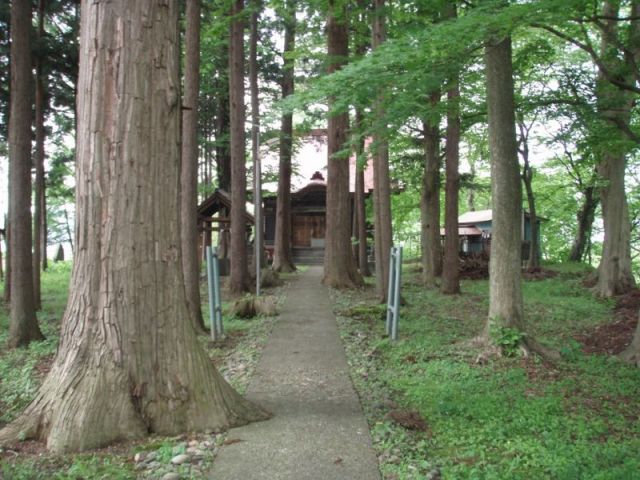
[(512, 418), (22, 370)]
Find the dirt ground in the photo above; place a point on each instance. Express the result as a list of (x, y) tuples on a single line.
[(613, 337)]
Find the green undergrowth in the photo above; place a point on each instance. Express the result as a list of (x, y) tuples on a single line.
[(515, 418), (22, 370)]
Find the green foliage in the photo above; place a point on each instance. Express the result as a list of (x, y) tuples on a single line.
[(512, 418), (507, 339)]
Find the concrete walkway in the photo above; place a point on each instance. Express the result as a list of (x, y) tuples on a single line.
[(318, 430)]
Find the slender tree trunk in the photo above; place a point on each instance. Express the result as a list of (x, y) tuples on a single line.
[(471, 194), (339, 265), (68, 227), (6, 294), (223, 121), (239, 277), (430, 203), (360, 208), (614, 105), (527, 177), (505, 297), (381, 180), (38, 211), (23, 327), (282, 258), (585, 217), (129, 363), (189, 164), (451, 269)]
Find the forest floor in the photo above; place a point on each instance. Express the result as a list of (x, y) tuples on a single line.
[(433, 412), (22, 370)]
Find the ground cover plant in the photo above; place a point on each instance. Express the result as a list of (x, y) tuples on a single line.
[(434, 410), (22, 370)]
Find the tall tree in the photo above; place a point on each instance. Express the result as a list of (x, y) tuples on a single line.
[(360, 204), (451, 268), (129, 362), (282, 258), (381, 180), (614, 104), (189, 163), (430, 200), (23, 326), (339, 265), (39, 210), (527, 179), (505, 297), (239, 278)]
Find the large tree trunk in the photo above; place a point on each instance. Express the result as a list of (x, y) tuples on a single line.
[(381, 180), (39, 198), (614, 105), (189, 164), (339, 265), (505, 298), (360, 207), (23, 326), (585, 217), (282, 258), (239, 277), (451, 268), (430, 203), (632, 353), (129, 363)]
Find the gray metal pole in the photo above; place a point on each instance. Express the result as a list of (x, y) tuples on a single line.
[(396, 299), (216, 294), (210, 288), (257, 196), (390, 295)]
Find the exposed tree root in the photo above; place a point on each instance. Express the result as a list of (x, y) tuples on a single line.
[(526, 347)]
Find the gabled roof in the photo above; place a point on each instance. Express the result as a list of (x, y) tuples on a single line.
[(480, 216), (218, 199)]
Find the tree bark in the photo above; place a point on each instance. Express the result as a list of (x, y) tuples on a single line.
[(189, 164), (129, 363), (222, 121), (614, 105), (430, 203), (451, 268), (39, 195), (360, 207), (239, 277), (381, 180), (6, 294), (282, 258), (632, 353), (339, 265), (505, 302), (585, 217), (23, 327)]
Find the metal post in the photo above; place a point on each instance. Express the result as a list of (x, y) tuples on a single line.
[(257, 194), (390, 295), (396, 299), (216, 296), (210, 288)]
